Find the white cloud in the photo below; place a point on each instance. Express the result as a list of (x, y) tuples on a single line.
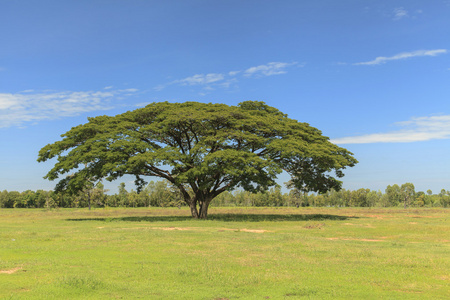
[(272, 68), (228, 83), (400, 13), (201, 79), (414, 130), (142, 104), (225, 80), (21, 108), (233, 73), (160, 87), (404, 55), (130, 90)]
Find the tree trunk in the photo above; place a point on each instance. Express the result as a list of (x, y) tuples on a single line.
[(194, 211), (202, 198), (203, 209)]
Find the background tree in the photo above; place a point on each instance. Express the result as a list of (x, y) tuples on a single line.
[(408, 193), (123, 195), (98, 195), (420, 199), (85, 194), (296, 197), (162, 194), (443, 200), (360, 198), (4, 199), (334, 198), (393, 194), (205, 148)]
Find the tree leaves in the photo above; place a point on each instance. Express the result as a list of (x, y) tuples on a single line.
[(209, 147)]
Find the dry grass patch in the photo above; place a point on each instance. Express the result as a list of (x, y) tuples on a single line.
[(173, 228), (244, 230), (352, 239), (11, 271)]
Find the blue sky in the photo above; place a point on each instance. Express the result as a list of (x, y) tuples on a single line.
[(374, 76)]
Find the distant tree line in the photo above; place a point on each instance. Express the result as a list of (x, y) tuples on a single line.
[(162, 194)]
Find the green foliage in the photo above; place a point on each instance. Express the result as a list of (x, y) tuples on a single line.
[(201, 149), (162, 194), (394, 195)]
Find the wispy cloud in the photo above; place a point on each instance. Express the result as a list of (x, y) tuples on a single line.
[(404, 55), (273, 68), (415, 130), (27, 107), (211, 81), (400, 13), (201, 79)]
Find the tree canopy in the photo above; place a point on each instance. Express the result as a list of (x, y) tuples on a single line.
[(201, 149)]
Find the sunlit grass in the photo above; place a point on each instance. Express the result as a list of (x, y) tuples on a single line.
[(239, 253)]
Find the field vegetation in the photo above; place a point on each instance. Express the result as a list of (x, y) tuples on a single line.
[(238, 253), (163, 194)]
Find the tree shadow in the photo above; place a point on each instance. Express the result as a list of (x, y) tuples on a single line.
[(225, 218), (275, 217)]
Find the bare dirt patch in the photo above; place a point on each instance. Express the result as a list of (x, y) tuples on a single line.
[(254, 230), (198, 228), (172, 228), (376, 216), (362, 225), (245, 230), (156, 228), (11, 271)]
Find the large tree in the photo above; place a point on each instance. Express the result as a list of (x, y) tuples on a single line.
[(202, 149)]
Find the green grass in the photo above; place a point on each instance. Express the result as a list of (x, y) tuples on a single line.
[(239, 253)]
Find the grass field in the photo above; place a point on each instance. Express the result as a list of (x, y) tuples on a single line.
[(239, 253)]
